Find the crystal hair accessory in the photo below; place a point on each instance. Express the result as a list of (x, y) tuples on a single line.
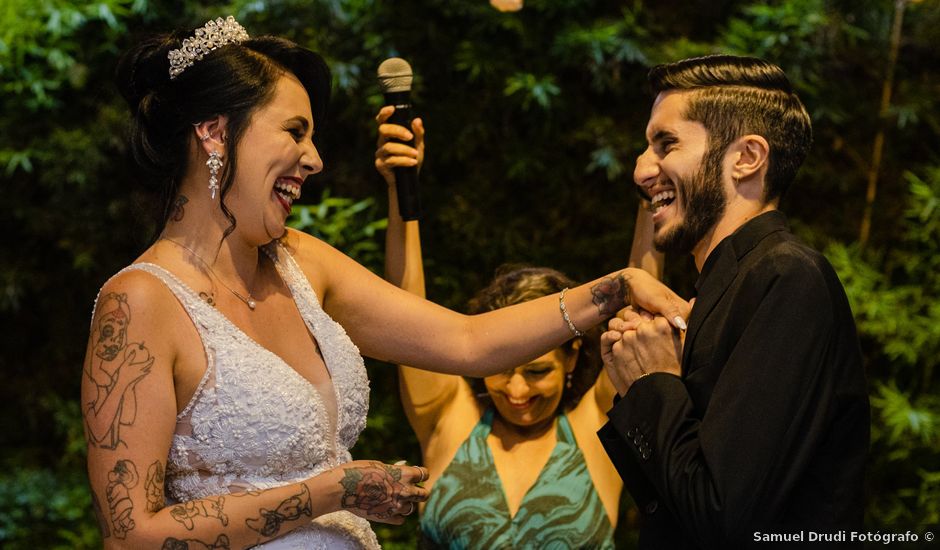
[(212, 35)]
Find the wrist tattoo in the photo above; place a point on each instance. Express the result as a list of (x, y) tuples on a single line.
[(611, 294), (293, 507)]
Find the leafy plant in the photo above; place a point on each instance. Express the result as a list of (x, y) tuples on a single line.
[(894, 292)]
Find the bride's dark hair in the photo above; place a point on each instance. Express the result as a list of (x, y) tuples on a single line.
[(233, 80)]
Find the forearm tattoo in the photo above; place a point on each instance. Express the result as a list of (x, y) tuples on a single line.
[(121, 480), (269, 524), (373, 490), (115, 370), (611, 294), (187, 512), (154, 487), (221, 543)]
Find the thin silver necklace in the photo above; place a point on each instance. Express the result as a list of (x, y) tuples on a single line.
[(249, 301)]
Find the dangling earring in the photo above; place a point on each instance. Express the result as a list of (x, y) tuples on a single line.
[(215, 164), (568, 378)]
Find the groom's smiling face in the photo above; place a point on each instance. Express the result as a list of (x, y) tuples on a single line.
[(680, 175)]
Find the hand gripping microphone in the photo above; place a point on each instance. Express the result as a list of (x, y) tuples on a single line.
[(395, 79)]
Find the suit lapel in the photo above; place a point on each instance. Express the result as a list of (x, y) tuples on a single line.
[(719, 272), (714, 284)]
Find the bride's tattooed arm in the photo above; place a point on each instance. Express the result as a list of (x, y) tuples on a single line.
[(113, 371), (611, 294)]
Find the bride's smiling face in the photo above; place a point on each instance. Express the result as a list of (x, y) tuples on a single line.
[(275, 156)]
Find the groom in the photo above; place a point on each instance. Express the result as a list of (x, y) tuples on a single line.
[(756, 427)]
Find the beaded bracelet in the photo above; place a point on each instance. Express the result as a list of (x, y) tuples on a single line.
[(564, 313)]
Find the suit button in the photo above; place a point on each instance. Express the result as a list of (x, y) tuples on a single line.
[(651, 507), (636, 441), (645, 454), (631, 432)]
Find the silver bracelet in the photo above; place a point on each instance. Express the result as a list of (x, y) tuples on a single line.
[(564, 313)]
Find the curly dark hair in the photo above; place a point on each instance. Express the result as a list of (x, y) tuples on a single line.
[(514, 284)]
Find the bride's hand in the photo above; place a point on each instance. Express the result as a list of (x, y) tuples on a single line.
[(382, 492)]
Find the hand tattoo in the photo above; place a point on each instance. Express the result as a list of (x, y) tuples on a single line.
[(290, 509), (611, 294), (373, 490)]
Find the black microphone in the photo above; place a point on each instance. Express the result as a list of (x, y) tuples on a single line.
[(395, 79)]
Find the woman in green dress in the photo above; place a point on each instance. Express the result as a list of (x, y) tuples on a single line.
[(513, 459)]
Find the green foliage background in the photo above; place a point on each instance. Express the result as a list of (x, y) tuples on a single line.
[(534, 119)]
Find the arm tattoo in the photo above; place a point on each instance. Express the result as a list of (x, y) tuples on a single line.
[(293, 507), (186, 512), (373, 490), (611, 294), (121, 480), (221, 543), (115, 370), (154, 487), (99, 515), (178, 212)]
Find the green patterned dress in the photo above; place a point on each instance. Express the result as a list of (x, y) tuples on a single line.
[(467, 507)]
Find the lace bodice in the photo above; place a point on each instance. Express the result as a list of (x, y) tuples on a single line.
[(255, 423)]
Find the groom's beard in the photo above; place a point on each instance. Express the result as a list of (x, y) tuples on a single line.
[(703, 203)]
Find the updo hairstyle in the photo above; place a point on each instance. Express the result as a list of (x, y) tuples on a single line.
[(234, 80), (514, 284)]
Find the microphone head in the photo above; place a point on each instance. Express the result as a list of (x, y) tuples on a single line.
[(395, 75)]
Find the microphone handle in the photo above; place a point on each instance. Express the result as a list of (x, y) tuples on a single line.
[(406, 178)]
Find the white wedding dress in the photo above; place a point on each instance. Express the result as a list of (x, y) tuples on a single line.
[(255, 423)]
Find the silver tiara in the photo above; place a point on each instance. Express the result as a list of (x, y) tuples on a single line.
[(207, 38)]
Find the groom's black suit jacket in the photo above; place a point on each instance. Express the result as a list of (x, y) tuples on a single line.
[(767, 429)]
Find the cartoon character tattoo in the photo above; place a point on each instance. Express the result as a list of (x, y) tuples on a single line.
[(208, 508), (221, 543), (293, 507), (115, 370), (154, 487), (121, 480)]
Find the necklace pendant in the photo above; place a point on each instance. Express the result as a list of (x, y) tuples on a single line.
[(251, 304)]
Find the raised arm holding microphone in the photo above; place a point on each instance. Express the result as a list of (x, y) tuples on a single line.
[(513, 458)]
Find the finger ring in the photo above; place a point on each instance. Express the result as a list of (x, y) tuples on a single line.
[(410, 510)]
